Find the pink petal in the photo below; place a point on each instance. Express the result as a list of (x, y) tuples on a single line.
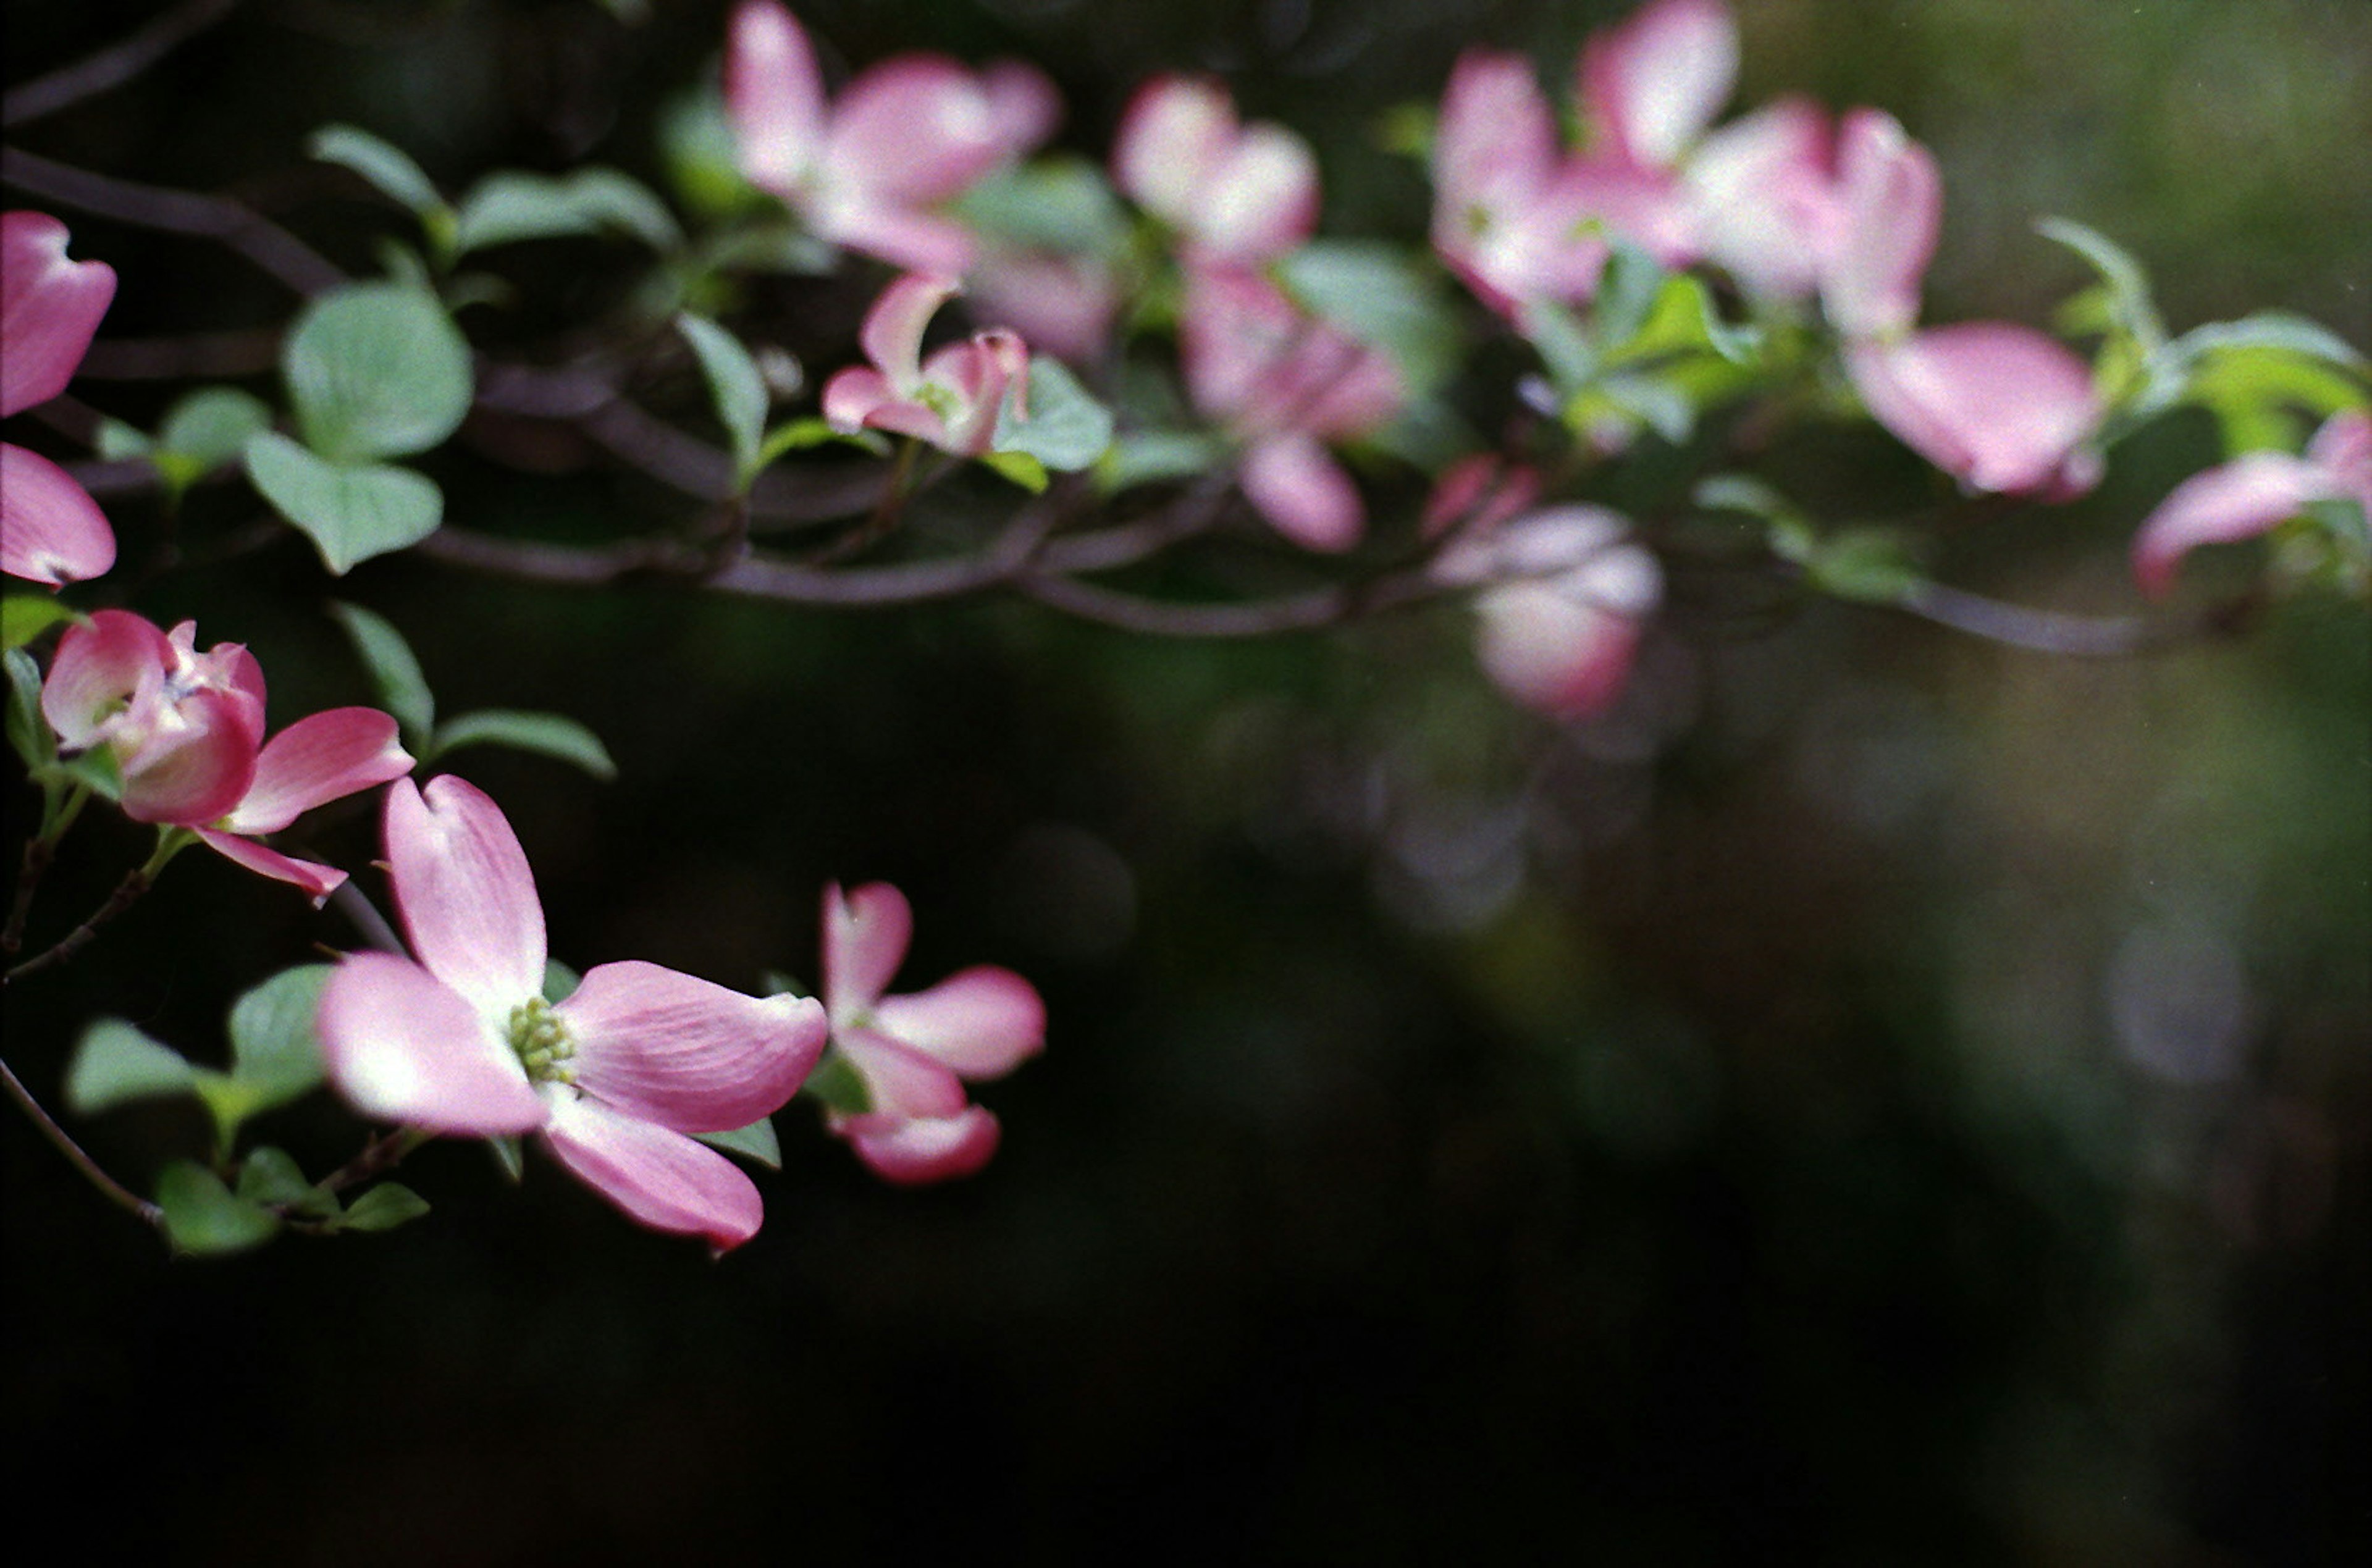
[(1765, 199), (318, 758), (1023, 107), (319, 881), (1262, 198), (1552, 651), (684, 1054), (1292, 482), (899, 1080), (1173, 137), (902, 236), (48, 308), (914, 131), (97, 670), (404, 1047), (194, 765), (865, 939), (465, 893), (658, 1178), (1892, 203), (1496, 132), (50, 530), (2343, 448), (1998, 406), (912, 1151), (773, 96), (1647, 207), (2239, 500), (852, 395), (1654, 83), (1548, 544), (1234, 328), (1062, 304), (892, 335), (979, 374), (982, 1021)]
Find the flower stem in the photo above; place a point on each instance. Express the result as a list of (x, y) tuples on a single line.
[(381, 1153), (171, 842), (115, 1191)]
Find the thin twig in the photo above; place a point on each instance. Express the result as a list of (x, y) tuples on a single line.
[(1260, 618), (194, 357), (381, 1153), (127, 892), (261, 241), (2054, 632), (113, 1190), (113, 66)]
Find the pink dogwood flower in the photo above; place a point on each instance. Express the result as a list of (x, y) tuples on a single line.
[(1998, 406), (871, 169), (1648, 89), (914, 1052), (1565, 595), (186, 731), (2253, 493), (50, 530), (615, 1079), (1234, 192), (1763, 197), (952, 400), (1285, 384)]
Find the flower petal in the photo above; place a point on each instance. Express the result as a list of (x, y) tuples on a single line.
[(899, 1080), (1552, 650), (1293, 482), (1263, 198), (2343, 448), (774, 95), (1998, 406), (982, 1021), (865, 939), (914, 1150), (319, 881), (1892, 203), (684, 1054), (465, 893), (1174, 134), (1654, 83), (97, 670), (657, 1177), (195, 760), (914, 131), (402, 1046), (902, 236), (321, 758), (50, 530), (1765, 199), (48, 308), (892, 335), (2237, 499)]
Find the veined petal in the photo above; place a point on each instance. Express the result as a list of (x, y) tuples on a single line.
[(2243, 498), (323, 757), (1998, 406), (914, 1150), (1553, 651), (899, 1080), (1654, 83), (913, 130), (319, 881), (1298, 487), (466, 896), (892, 335), (684, 1054), (865, 937), (193, 765), (50, 530), (97, 670), (48, 308), (1170, 140), (657, 1176), (774, 95), (1891, 205), (402, 1046), (982, 1021)]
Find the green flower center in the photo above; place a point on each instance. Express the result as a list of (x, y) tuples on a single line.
[(540, 1041)]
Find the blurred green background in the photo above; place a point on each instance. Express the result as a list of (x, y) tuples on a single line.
[(1871, 1098)]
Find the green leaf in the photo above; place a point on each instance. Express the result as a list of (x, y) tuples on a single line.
[(510, 205), (403, 689), (1381, 294), (1563, 343), (201, 1217), (702, 159), (2129, 306), (29, 732), (96, 769), (1066, 428), (559, 981), (385, 1207), (24, 617), (386, 168), (114, 1064), (2273, 329), (838, 1086), (1868, 565), (1020, 468), (275, 1049), (796, 436), (1151, 457), (375, 370), (269, 1177), (1061, 204), (206, 430), (350, 512), (1627, 292), (734, 385), (548, 734), (1683, 319), (756, 1141), (508, 1156), (2251, 390), (117, 442)]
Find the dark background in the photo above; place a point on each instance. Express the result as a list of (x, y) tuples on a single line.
[(1873, 1097)]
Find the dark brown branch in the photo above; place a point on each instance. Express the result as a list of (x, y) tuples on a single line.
[(261, 241), (113, 66), (127, 892), (1260, 618), (198, 356), (113, 1190)]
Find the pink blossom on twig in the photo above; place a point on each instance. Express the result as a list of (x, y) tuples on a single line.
[(2252, 495), (50, 530)]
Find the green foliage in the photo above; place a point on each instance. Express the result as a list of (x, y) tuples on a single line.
[(838, 1086), (204, 1218), (1151, 457), (204, 431), (24, 617), (512, 205), (548, 734), (756, 1141), (383, 1207), (375, 370), (1060, 203), (275, 1057), (394, 671), (29, 732), (1384, 296), (350, 512), (734, 387), (1064, 427), (275, 1051), (115, 1064)]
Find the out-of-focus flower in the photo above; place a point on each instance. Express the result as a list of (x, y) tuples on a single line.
[(1564, 594), (870, 169), (1648, 89), (1999, 406), (186, 731), (1062, 305), (1286, 383), (50, 530), (615, 1078), (1764, 199), (1236, 192), (952, 400), (2252, 495), (913, 1052)]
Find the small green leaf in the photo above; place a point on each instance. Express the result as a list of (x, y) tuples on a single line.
[(1868, 565), (795, 435), (275, 1049), (2273, 329), (114, 1062), (385, 1207), (377, 370), (24, 617), (385, 167), (838, 1086), (510, 205), (1563, 343), (118, 442), (734, 385), (2129, 306), (756, 1141), (350, 512), (1383, 296), (206, 430), (1065, 428), (507, 1156), (1060, 203), (403, 689), (1019, 467), (270, 1177), (1626, 292), (96, 769), (559, 981), (201, 1217), (29, 732), (548, 734)]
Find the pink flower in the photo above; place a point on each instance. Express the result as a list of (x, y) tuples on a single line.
[(914, 1051), (1244, 193), (50, 530), (186, 731), (1062, 305), (1764, 198), (1507, 217), (1565, 595), (1648, 89), (1998, 406), (2251, 494), (905, 137), (615, 1078), (952, 400), (1284, 383)]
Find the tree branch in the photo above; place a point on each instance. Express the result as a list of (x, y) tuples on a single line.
[(270, 248), (2054, 632), (113, 66), (115, 1192)]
